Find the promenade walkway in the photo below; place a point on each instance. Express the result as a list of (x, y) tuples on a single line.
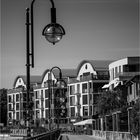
[(8, 137), (78, 137)]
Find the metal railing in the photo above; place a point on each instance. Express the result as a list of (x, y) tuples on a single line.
[(51, 135)]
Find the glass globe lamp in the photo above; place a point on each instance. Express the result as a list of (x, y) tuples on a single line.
[(53, 32)]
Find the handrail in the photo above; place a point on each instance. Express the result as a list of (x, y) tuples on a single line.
[(51, 135)]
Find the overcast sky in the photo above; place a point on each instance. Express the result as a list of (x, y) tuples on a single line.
[(95, 30)]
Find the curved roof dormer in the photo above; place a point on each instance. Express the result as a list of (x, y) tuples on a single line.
[(85, 67), (19, 82), (45, 77), (92, 67)]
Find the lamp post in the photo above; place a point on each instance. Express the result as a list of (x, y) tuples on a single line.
[(53, 32), (60, 78), (60, 84)]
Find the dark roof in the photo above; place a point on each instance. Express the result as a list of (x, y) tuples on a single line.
[(96, 64), (66, 72), (33, 79), (100, 64)]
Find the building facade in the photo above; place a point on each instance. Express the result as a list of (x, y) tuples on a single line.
[(75, 98), (85, 88), (125, 81), (48, 100), (16, 97), (122, 70)]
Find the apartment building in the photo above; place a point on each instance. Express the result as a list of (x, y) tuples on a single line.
[(17, 98), (133, 89), (85, 88), (46, 92), (50, 97), (75, 97), (124, 78), (122, 70)]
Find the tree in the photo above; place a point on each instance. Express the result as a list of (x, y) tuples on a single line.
[(3, 106), (135, 119), (109, 101)]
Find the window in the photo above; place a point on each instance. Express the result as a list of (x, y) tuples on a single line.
[(17, 115), (37, 104), (116, 71), (90, 85), (131, 68), (9, 99), (37, 94), (17, 97), (113, 73), (10, 107), (46, 93), (24, 97), (103, 75), (41, 93), (90, 110), (24, 105), (47, 103), (47, 113), (72, 89), (78, 88), (119, 69), (85, 110), (72, 101), (72, 111), (37, 114), (17, 106), (90, 99), (13, 98), (95, 98), (84, 88), (85, 100), (10, 115), (130, 89), (86, 74), (138, 89)]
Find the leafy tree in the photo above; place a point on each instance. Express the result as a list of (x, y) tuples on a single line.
[(3, 105), (109, 101), (135, 119)]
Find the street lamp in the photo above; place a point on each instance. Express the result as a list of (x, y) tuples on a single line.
[(60, 78), (60, 84), (53, 32)]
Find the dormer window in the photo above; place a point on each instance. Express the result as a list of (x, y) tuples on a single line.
[(86, 67)]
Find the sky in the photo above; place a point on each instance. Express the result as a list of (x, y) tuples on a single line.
[(95, 30)]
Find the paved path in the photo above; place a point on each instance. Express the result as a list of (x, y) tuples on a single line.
[(78, 137), (7, 137)]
